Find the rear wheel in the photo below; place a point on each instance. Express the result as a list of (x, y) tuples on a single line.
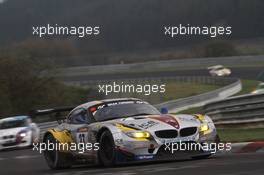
[(54, 158), (202, 157), (106, 152)]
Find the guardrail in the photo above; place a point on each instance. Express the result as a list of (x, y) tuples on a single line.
[(243, 109), (150, 66), (46, 126), (202, 99)]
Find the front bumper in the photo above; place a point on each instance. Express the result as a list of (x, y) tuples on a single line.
[(14, 143), (124, 156), (152, 150)]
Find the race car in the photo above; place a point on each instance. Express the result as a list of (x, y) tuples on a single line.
[(116, 131), (219, 70), (17, 132)]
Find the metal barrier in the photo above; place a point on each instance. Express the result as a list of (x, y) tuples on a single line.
[(150, 66), (46, 126), (202, 99), (240, 109)]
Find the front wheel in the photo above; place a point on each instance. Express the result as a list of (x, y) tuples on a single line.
[(54, 158), (107, 152)]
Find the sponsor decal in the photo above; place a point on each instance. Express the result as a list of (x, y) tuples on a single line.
[(144, 157), (147, 124), (168, 120)]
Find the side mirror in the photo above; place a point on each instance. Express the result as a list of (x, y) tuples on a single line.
[(32, 125), (164, 110)]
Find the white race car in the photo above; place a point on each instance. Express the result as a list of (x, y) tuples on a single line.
[(219, 71), (115, 131), (18, 131)]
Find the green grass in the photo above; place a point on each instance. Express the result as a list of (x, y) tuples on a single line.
[(174, 91), (182, 90), (241, 135), (196, 110), (248, 86)]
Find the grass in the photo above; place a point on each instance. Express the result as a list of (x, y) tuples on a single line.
[(174, 91), (241, 135), (248, 86), (196, 110), (182, 90)]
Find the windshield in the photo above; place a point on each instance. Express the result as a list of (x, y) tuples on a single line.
[(13, 124), (123, 110), (219, 68)]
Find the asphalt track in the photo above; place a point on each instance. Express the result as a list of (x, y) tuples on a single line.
[(26, 162), (242, 72)]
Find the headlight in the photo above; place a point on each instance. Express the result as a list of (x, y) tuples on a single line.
[(138, 134), (23, 134), (204, 127), (204, 123)]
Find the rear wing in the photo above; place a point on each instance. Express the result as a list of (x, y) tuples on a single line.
[(51, 114)]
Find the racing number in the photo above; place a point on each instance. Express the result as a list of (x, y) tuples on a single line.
[(81, 138)]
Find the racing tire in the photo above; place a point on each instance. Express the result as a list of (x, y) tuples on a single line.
[(217, 139), (54, 158), (107, 152), (202, 157)]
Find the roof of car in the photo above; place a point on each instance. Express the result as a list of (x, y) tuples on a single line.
[(215, 67), (92, 103), (21, 117)]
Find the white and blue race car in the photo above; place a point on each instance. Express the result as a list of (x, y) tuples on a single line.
[(125, 130), (17, 132)]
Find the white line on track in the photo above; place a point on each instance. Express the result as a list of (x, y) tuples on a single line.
[(20, 157), (26, 157)]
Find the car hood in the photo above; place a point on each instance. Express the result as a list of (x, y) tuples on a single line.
[(11, 131), (159, 122)]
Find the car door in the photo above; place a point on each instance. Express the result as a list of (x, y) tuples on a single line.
[(77, 125)]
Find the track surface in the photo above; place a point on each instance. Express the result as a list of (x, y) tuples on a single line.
[(243, 73), (25, 162)]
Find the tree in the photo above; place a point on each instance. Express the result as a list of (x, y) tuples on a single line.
[(23, 88)]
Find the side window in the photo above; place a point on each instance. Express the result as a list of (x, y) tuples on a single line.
[(79, 116)]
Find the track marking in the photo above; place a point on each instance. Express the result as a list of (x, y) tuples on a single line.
[(119, 173), (162, 169), (26, 157)]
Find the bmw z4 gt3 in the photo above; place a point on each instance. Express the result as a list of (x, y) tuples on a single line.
[(125, 130)]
